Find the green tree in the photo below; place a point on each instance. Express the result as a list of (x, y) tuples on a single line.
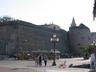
[(87, 51)]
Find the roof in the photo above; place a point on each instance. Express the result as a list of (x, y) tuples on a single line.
[(83, 26), (73, 23)]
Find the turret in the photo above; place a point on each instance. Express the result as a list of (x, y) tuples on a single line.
[(73, 24)]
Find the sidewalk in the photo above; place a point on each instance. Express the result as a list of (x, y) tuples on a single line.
[(29, 66), (41, 70)]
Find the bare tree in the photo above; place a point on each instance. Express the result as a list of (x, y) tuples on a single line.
[(6, 19)]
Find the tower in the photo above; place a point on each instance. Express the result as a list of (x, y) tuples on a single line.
[(73, 24), (78, 38)]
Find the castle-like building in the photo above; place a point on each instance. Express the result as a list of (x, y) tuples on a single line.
[(22, 37), (79, 37)]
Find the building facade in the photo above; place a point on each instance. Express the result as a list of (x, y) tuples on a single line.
[(79, 37), (20, 37)]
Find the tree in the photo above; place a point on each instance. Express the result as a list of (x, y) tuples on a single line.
[(88, 50), (6, 19)]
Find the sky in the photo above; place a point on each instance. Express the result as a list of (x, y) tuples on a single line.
[(59, 12)]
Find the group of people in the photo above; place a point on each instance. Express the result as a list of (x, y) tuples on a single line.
[(39, 60)]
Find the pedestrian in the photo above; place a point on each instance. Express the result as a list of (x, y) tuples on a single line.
[(45, 60), (40, 60), (36, 61), (93, 62)]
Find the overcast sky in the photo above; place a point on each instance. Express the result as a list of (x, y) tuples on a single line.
[(60, 12)]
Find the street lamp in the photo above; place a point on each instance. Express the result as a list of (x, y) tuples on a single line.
[(54, 40)]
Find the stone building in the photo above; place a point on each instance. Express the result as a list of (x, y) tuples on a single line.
[(19, 37), (22, 37), (79, 37), (93, 36)]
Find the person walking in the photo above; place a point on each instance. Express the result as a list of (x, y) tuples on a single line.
[(93, 62), (40, 60), (45, 60)]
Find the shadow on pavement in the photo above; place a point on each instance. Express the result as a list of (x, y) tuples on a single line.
[(82, 66)]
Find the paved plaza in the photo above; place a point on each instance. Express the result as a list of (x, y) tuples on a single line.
[(30, 66)]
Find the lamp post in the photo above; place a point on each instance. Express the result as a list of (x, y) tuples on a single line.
[(54, 40)]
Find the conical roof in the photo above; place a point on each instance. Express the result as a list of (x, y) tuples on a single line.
[(73, 24)]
